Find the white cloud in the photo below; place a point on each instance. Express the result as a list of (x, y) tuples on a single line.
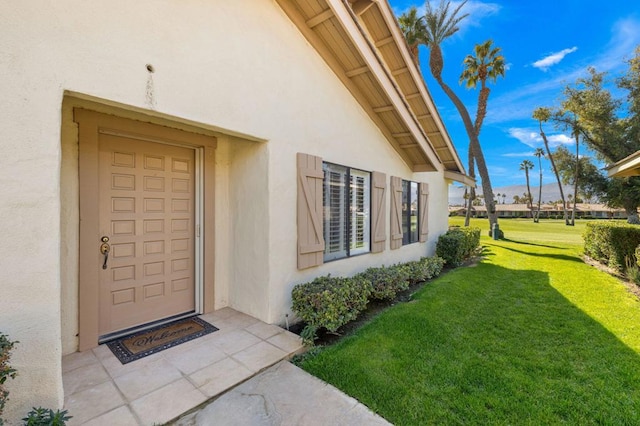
[(560, 140), (518, 154), (545, 63), (477, 11), (526, 136), (532, 138)]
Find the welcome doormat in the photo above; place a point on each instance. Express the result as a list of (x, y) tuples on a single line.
[(156, 339)]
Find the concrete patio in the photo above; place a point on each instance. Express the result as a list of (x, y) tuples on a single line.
[(99, 390)]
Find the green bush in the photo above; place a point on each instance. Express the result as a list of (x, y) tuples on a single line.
[(424, 269), (329, 302), (6, 371), (458, 244), (386, 282), (611, 242), (46, 417), (471, 241)]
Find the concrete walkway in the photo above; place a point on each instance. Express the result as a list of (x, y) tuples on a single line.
[(282, 395)]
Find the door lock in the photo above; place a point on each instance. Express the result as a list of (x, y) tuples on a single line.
[(104, 249)]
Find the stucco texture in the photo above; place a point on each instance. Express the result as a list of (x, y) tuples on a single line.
[(239, 70)]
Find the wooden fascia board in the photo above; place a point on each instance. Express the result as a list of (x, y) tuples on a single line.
[(325, 53), (460, 177), (382, 76), (628, 166), (390, 20)]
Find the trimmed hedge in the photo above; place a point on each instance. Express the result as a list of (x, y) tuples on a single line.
[(424, 269), (329, 302), (611, 242), (386, 282), (458, 244)]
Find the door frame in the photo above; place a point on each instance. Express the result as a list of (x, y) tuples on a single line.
[(90, 125)]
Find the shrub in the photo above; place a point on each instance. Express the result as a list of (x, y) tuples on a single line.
[(329, 302), (458, 244), (386, 282), (6, 371), (633, 271), (46, 417), (424, 269), (611, 242), (471, 240)]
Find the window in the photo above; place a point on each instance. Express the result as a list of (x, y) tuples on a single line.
[(346, 205), (410, 212)]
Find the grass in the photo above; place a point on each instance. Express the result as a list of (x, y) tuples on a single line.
[(530, 335)]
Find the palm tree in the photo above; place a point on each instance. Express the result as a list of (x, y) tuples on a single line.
[(488, 64), (539, 153), (442, 23), (414, 30), (527, 165), (543, 115)]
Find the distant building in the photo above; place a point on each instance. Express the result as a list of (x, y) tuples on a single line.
[(547, 211)]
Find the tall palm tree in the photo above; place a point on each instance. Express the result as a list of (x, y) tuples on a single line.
[(487, 64), (414, 30), (527, 165), (441, 23), (539, 153), (543, 115)]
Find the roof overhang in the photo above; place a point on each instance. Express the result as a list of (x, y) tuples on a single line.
[(629, 166), (460, 178), (361, 42)]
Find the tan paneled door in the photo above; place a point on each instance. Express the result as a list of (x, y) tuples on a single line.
[(147, 203), (141, 253)]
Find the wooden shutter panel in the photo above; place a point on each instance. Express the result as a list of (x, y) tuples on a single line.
[(396, 212), (378, 211), (423, 208), (310, 239)]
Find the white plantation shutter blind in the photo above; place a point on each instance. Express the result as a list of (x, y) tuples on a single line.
[(423, 210), (309, 216), (335, 211), (396, 212), (360, 234), (378, 211)]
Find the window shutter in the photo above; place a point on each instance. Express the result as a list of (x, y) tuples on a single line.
[(378, 211), (310, 240), (423, 209), (396, 212)]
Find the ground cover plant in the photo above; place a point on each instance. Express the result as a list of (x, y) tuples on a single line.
[(530, 335)]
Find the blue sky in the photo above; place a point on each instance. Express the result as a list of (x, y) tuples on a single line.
[(547, 44)]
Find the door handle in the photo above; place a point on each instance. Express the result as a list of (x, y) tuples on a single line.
[(104, 249)]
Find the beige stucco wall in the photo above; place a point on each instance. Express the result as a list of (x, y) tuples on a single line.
[(231, 68)]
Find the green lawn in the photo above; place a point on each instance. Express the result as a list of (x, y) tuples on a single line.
[(531, 335)]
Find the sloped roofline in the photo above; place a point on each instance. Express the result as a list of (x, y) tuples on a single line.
[(361, 42)]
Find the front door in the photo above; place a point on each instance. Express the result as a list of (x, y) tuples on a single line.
[(139, 224), (147, 213)]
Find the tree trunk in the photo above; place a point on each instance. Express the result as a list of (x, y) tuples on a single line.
[(436, 63), (537, 218), (555, 171), (575, 181), (474, 144), (483, 98), (529, 200), (472, 190)]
